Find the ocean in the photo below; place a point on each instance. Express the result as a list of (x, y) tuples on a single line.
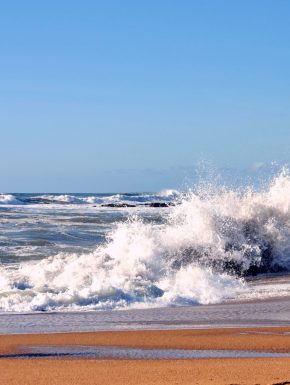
[(209, 245)]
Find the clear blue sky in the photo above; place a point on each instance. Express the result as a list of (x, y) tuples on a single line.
[(130, 95)]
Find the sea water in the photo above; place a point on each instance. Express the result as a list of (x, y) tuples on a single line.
[(98, 252)]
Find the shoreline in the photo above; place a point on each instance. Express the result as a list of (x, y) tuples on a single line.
[(275, 339), (251, 326), (89, 371), (259, 313)]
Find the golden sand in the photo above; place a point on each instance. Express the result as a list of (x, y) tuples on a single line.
[(195, 371)]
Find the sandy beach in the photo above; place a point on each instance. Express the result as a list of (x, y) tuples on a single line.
[(75, 370), (88, 372)]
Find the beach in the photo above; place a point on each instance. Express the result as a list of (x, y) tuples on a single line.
[(144, 288), (228, 343), (66, 372), (46, 370)]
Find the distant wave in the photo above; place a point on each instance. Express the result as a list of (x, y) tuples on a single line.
[(66, 199), (199, 255), (8, 199), (81, 199)]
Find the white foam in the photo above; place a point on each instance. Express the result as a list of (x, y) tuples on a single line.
[(70, 199), (183, 260), (169, 193), (8, 199)]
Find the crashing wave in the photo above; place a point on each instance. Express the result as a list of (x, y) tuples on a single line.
[(8, 199), (197, 255)]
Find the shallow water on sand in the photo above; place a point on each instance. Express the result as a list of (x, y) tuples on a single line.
[(273, 312), (113, 352)]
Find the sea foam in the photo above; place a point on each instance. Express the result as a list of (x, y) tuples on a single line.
[(199, 254), (8, 199)]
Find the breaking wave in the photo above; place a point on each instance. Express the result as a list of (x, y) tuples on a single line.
[(86, 199), (66, 199), (208, 242), (8, 199)]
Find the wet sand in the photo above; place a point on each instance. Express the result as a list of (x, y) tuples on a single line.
[(262, 338), (46, 371), (165, 372)]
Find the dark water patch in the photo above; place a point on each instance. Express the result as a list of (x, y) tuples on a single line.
[(101, 352)]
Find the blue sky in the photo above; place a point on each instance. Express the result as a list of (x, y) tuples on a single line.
[(131, 95)]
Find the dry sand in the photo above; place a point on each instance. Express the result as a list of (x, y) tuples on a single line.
[(197, 371)]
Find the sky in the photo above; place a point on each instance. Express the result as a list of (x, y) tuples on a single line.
[(103, 96)]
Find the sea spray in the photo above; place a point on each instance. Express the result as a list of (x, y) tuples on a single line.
[(197, 254)]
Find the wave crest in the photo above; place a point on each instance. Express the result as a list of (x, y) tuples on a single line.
[(196, 255), (8, 199)]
